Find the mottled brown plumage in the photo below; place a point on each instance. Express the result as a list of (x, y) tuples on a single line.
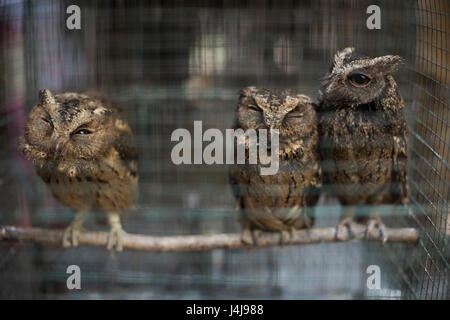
[(83, 149), (281, 202), (363, 134)]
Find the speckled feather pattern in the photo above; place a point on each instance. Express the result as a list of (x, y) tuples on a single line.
[(283, 201), (363, 133), (95, 172)]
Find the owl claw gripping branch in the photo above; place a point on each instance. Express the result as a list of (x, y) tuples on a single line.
[(83, 149)]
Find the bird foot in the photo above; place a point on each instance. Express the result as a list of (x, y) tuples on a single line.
[(71, 235), (286, 237), (250, 236), (373, 224), (115, 238), (344, 229)]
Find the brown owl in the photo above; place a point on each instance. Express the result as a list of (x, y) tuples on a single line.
[(83, 149), (363, 136), (280, 202)]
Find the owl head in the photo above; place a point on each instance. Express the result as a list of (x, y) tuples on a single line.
[(354, 79), (70, 126), (292, 114)]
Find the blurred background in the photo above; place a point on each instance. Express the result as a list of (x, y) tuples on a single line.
[(169, 63)]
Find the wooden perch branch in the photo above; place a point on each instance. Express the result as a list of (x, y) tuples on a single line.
[(204, 242)]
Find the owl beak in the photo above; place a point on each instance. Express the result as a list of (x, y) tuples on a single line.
[(275, 124), (330, 87), (58, 150), (320, 95), (273, 121), (272, 125)]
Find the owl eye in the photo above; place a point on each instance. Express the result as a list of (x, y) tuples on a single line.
[(82, 131), (254, 108), (359, 80), (48, 121)]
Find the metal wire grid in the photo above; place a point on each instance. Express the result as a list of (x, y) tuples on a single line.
[(169, 73), (425, 268)]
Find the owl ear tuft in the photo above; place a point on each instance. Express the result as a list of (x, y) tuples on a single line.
[(247, 91), (341, 55), (389, 64), (46, 97)]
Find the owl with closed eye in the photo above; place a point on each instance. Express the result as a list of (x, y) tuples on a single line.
[(84, 150), (281, 202), (363, 137)]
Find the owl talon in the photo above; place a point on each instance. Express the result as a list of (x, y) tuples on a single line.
[(286, 237), (246, 237), (71, 235), (115, 238), (373, 224), (250, 237), (344, 228), (116, 233)]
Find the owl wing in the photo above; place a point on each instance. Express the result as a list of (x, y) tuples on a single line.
[(128, 152), (121, 171), (238, 178), (400, 165), (250, 210), (124, 143)]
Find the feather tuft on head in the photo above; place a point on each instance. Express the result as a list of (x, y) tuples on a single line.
[(340, 56), (46, 97)]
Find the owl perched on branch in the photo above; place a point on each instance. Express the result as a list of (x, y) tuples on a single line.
[(281, 202), (83, 149), (363, 136)]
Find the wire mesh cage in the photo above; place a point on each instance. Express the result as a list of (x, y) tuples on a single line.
[(169, 63)]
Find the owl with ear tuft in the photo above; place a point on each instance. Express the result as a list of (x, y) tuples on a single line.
[(84, 150), (363, 137), (281, 202)]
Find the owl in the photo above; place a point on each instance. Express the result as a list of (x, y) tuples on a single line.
[(363, 137), (83, 149), (281, 202)]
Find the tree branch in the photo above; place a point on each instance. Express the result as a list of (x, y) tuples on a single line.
[(205, 242)]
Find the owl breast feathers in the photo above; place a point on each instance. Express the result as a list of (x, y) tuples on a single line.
[(279, 202), (83, 149)]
